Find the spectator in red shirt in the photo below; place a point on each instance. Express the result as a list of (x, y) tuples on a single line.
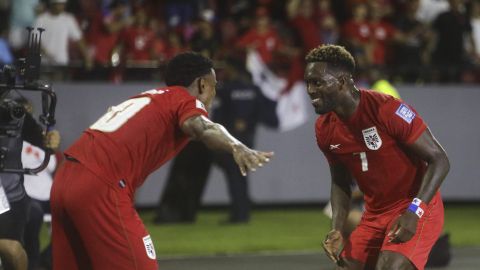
[(103, 33), (138, 39), (382, 33), (301, 14), (262, 36), (356, 33)]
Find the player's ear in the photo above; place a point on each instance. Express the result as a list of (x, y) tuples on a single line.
[(343, 79), (201, 85)]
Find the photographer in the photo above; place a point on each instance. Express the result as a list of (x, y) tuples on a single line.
[(16, 125)]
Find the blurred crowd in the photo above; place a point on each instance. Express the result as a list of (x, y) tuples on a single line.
[(410, 41)]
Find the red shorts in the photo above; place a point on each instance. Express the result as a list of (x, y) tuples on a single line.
[(370, 237), (95, 225)]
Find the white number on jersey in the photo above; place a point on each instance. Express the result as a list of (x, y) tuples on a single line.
[(118, 115), (363, 160)]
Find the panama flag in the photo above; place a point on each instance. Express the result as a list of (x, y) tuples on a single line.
[(291, 109)]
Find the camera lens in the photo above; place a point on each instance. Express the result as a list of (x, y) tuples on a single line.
[(10, 110), (17, 111)]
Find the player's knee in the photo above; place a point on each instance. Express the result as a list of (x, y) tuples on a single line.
[(12, 253), (10, 247)]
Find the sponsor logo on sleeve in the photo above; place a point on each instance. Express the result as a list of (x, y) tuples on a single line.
[(148, 243), (372, 138), (334, 146), (200, 105), (405, 113)]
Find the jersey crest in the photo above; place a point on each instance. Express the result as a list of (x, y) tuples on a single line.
[(372, 138), (200, 105), (405, 113)]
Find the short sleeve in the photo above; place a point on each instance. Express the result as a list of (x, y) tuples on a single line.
[(322, 146), (402, 121), (330, 158), (74, 31), (189, 107)]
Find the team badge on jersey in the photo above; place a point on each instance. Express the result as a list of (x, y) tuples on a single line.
[(148, 243), (405, 113), (200, 105), (372, 138)]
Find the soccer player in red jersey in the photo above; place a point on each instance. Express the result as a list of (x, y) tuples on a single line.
[(95, 225), (384, 145)]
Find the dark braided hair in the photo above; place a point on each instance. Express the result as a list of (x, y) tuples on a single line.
[(184, 68), (335, 56)]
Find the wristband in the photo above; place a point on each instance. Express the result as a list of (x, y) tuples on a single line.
[(418, 207)]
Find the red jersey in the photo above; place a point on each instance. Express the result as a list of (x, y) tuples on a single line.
[(382, 33), (138, 43), (371, 145), (102, 41), (308, 31), (265, 43), (357, 31), (136, 137)]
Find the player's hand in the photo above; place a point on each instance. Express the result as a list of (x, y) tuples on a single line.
[(52, 139), (332, 244), (404, 228), (249, 159)]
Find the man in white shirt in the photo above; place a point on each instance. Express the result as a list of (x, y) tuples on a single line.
[(429, 9), (60, 28)]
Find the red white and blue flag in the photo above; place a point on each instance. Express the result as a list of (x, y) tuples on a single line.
[(291, 98)]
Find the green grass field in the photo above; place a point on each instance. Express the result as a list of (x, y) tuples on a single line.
[(277, 230)]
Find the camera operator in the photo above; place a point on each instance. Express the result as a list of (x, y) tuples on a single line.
[(16, 125)]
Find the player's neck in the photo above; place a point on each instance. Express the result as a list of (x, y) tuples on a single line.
[(349, 104)]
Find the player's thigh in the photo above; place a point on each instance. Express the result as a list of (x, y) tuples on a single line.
[(429, 228), (139, 240), (68, 251), (389, 260), (10, 248), (13, 255), (113, 233), (363, 245)]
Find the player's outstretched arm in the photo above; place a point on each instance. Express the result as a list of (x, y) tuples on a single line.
[(216, 137)]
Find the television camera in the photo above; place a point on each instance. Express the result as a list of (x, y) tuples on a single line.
[(24, 76)]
